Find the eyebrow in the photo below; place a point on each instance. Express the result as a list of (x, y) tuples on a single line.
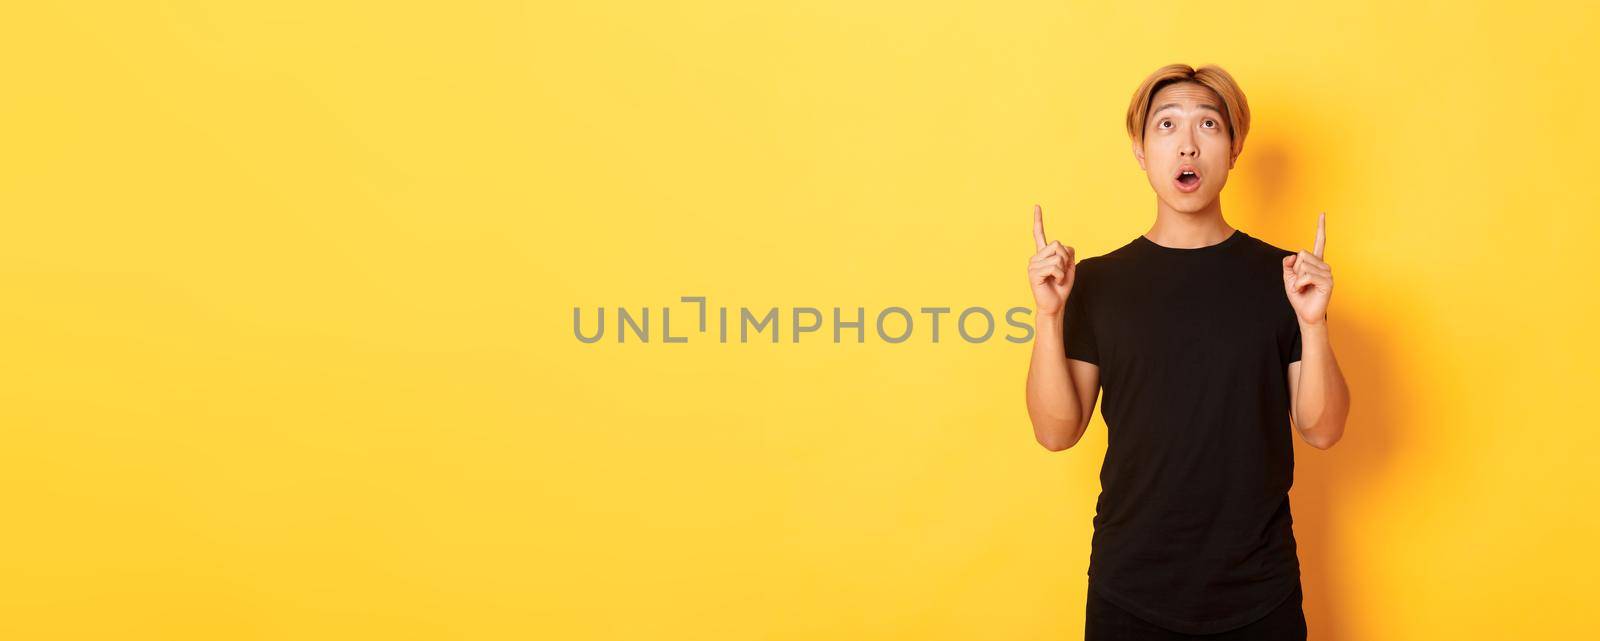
[(1174, 104)]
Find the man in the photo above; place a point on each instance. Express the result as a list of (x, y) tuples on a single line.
[(1207, 342)]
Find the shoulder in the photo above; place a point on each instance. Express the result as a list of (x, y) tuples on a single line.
[(1256, 247), (1093, 268), (1105, 270), (1110, 261)]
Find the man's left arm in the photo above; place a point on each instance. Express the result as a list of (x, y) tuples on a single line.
[(1319, 399)]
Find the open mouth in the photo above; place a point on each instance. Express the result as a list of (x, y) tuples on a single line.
[(1187, 180)]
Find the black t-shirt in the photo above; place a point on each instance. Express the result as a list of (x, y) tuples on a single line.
[(1192, 529)]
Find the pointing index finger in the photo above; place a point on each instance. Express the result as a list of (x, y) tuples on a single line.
[(1322, 234), (1038, 227)]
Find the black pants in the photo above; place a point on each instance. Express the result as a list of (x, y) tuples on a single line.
[(1107, 622)]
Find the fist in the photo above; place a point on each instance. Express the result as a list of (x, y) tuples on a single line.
[(1051, 270), (1308, 280)]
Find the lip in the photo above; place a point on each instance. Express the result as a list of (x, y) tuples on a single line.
[(1187, 189)]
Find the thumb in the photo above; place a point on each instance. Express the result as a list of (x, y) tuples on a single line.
[(1288, 266)]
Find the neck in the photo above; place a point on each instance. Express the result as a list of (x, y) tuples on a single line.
[(1189, 229)]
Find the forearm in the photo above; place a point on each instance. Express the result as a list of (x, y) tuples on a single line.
[(1323, 399), (1053, 404)]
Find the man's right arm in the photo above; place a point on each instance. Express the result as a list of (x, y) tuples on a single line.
[(1061, 391)]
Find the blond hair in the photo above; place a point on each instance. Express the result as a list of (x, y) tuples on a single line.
[(1234, 106)]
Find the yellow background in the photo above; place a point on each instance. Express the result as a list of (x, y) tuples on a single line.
[(288, 294)]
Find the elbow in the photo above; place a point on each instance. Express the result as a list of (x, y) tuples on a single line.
[(1326, 433), (1057, 440), (1333, 440), (1323, 440), (1055, 444)]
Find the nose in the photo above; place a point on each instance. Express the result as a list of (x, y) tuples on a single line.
[(1187, 149)]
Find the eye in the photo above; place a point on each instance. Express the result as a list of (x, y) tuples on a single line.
[(1163, 123), (1213, 122)]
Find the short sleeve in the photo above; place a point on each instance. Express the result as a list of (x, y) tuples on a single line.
[(1294, 344), (1076, 325)]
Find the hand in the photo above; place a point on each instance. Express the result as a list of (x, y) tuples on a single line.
[(1051, 271), (1308, 281)]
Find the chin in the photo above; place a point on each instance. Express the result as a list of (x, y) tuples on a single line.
[(1189, 203)]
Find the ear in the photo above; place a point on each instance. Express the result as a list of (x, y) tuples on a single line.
[(1138, 154)]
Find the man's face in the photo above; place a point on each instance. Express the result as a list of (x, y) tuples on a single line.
[(1186, 131)]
